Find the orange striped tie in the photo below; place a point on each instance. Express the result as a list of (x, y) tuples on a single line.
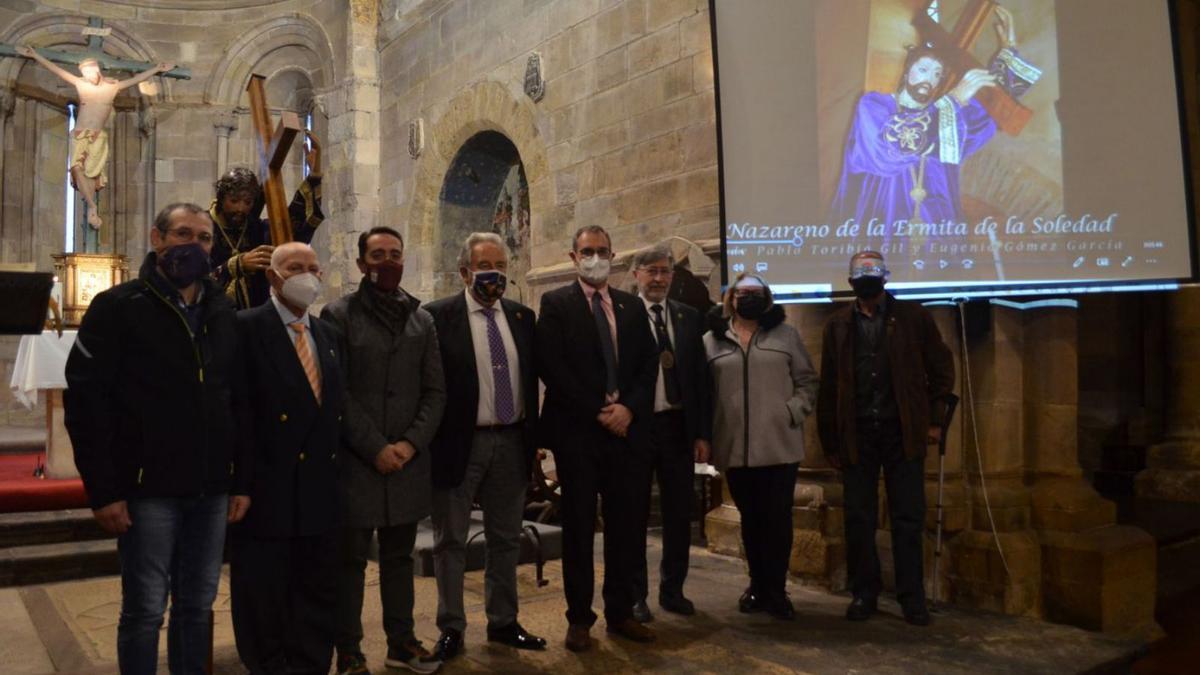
[(307, 360)]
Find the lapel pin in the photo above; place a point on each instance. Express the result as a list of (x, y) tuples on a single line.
[(518, 315)]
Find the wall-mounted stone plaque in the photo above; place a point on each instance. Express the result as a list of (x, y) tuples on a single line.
[(535, 85)]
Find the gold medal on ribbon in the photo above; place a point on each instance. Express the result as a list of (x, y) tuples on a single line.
[(667, 359)]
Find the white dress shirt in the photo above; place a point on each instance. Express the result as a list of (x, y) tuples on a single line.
[(288, 319), (660, 389), (486, 414)]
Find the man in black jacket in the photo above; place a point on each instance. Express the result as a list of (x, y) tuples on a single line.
[(485, 444), (283, 576), (153, 390), (681, 429), (598, 360)]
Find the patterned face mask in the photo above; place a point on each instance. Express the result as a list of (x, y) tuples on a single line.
[(489, 285)]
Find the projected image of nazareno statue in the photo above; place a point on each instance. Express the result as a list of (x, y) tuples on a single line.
[(905, 149)]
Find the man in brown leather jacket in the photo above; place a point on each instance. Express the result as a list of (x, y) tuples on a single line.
[(884, 374)]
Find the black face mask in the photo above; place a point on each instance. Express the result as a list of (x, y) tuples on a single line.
[(185, 264), (866, 288), (751, 307)]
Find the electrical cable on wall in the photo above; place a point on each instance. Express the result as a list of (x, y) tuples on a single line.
[(966, 360)]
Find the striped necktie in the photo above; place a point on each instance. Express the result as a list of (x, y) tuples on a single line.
[(307, 360)]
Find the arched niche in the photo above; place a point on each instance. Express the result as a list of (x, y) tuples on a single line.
[(484, 106), (485, 190)]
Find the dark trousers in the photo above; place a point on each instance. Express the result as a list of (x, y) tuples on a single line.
[(880, 445), (283, 593), (172, 549), (671, 461), (615, 472), (764, 496), (395, 585)]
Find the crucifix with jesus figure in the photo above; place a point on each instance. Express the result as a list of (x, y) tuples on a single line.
[(89, 141)]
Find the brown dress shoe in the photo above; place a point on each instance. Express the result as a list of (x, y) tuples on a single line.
[(578, 639), (631, 630)]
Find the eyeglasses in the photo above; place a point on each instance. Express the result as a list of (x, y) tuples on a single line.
[(657, 271), (187, 234), (745, 292)]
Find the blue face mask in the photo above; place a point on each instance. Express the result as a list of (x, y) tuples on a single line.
[(489, 285)]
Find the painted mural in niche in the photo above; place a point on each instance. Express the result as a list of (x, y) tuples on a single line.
[(510, 219), (485, 190)]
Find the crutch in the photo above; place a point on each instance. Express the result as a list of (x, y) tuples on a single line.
[(951, 404)]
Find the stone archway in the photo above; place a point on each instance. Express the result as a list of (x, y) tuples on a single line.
[(42, 30), (295, 42), (482, 107), (485, 190)]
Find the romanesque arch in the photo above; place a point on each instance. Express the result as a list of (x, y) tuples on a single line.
[(286, 43), (484, 106), (45, 30)]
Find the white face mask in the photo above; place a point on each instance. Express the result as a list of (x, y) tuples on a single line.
[(301, 290), (594, 269)]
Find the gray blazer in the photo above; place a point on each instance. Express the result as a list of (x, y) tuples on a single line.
[(394, 391), (760, 395)]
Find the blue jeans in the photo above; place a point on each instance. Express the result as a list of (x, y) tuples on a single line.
[(174, 545)]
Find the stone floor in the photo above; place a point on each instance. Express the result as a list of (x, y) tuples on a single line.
[(71, 627)]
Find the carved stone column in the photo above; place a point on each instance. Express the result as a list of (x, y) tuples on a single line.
[(1173, 466), (8, 103), (225, 122)]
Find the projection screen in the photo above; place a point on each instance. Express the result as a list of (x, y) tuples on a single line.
[(984, 148)]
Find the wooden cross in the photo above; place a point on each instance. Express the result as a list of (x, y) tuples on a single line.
[(95, 50), (1010, 116), (273, 145)]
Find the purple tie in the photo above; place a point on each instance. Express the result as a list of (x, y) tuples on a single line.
[(501, 383)]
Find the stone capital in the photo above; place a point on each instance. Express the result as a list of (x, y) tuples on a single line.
[(225, 122)]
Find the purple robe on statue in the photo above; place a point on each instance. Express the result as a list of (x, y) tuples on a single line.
[(883, 160), (886, 144)]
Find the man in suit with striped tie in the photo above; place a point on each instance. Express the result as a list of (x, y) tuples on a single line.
[(485, 445), (284, 558)]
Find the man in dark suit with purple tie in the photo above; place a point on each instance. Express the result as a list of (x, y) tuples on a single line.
[(484, 447)]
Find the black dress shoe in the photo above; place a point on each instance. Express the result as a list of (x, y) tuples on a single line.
[(750, 603), (641, 612), (781, 608), (676, 604), (917, 616), (448, 646), (861, 609), (514, 635)]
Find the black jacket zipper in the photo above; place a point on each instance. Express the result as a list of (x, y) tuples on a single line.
[(200, 382)]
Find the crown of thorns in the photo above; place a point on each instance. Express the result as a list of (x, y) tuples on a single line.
[(236, 181)]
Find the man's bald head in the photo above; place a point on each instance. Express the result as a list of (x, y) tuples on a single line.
[(290, 260), (285, 255)]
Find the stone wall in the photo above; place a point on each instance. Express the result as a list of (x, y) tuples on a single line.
[(624, 137)]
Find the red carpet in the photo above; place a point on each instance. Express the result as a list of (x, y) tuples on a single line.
[(20, 491)]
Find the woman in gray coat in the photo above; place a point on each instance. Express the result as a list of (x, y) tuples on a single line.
[(764, 385)]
